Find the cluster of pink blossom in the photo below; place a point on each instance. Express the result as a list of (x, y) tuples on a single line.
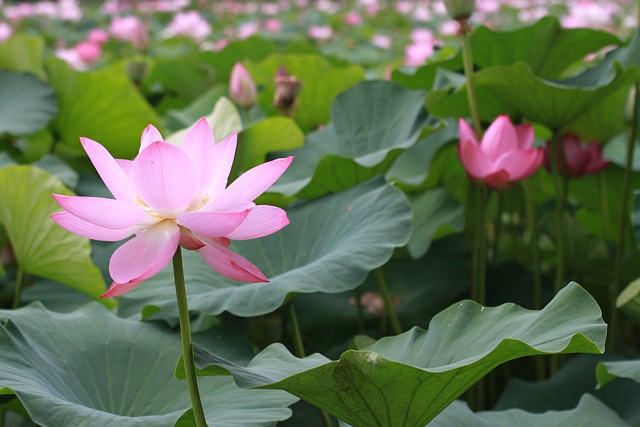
[(188, 24), (65, 10), (506, 154), (85, 53), (130, 21)]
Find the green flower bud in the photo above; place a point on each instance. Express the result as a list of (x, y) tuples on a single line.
[(458, 9)]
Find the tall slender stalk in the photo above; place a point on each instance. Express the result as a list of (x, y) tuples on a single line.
[(17, 290), (359, 309), (533, 235), (467, 62), (537, 280), (624, 221), (295, 329), (300, 352), (557, 152), (478, 293), (604, 206), (185, 337), (498, 226), (389, 308)]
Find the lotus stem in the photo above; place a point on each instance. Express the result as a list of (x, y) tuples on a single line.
[(467, 62), (359, 309), (604, 206), (300, 352), (185, 337), (295, 329), (531, 225), (498, 226), (537, 282), (389, 308), (624, 221), (556, 150), (17, 291)]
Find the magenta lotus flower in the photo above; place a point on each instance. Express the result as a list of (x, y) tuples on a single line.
[(504, 155), (581, 159), (170, 196)]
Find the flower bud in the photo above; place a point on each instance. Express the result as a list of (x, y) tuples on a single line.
[(242, 88), (286, 91), (458, 9)]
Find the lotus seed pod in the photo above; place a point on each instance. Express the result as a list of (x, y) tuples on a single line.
[(458, 9)]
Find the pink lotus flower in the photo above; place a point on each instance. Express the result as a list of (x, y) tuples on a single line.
[(272, 25), (5, 31), (88, 52), (353, 18), (504, 155), (581, 159), (130, 29), (416, 55), (320, 32), (98, 36), (242, 88), (170, 196), (188, 24)]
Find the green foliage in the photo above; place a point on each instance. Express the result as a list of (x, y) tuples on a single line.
[(102, 105), (102, 370), (42, 247), (26, 104), (416, 375)]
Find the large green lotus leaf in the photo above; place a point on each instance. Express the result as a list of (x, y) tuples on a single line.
[(516, 90), (603, 120), (413, 165), (607, 371), (321, 82), (330, 246), (371, 124), (90, 367), (409, 379), (224, 120), (555, 49), (590, 412), (267, 136), (563, 390), (435, 214), (26, 103), (629, 299), (102, 105), (23, 53), (251, 49), (41, 246), (624, 56), (200, 107), (178, 80)]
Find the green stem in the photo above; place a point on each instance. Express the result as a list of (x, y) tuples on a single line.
[(359, 309), (604, 206), (557, 152), (185, 337), (537, 281), (389, 308), (467, 62), (480, 247), (295, 329), (17, 291), (498, 225), (624, 221), (299, 348)]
